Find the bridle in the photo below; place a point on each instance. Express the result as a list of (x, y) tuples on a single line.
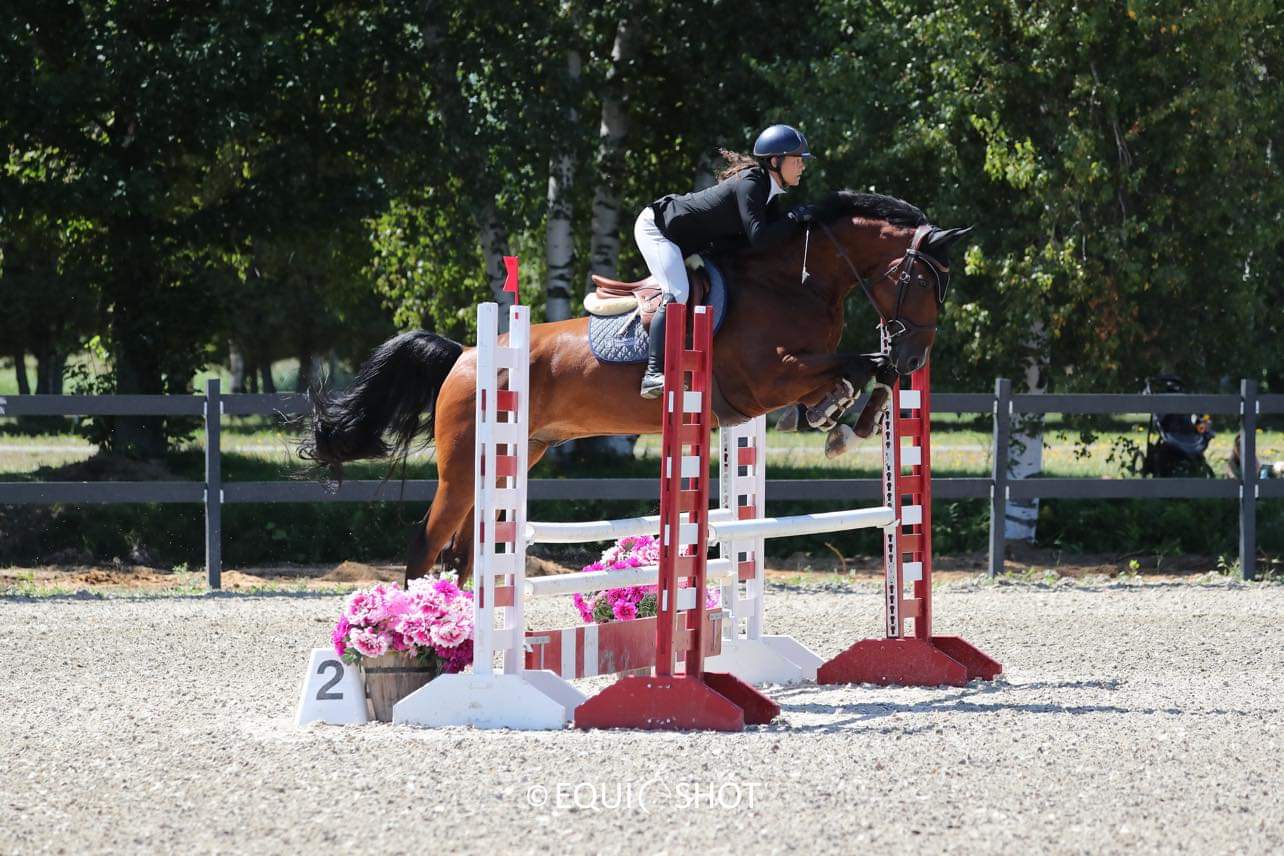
[(902, 271)]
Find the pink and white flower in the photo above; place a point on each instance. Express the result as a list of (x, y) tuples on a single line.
[(431, 619), (370, 642), (451, 630), (627, 602)]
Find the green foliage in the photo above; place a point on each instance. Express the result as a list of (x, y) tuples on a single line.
[(1117, 160), (426, 267), (287, 179)]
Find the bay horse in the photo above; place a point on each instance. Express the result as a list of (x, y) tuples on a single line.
[(777, 347)]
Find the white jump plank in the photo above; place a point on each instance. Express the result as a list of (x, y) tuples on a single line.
[(591, 581), (802, 524), (538, 532)]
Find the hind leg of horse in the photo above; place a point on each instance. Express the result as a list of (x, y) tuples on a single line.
[(450, 508), (461, 539), (457, 555)]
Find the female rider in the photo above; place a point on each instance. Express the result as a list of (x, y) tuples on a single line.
[(736, 212)]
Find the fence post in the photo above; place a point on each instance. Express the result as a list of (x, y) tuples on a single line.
[(213, 484), (999, 478), (1248, 480)]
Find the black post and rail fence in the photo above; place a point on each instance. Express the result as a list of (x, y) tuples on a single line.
[(214, 493)]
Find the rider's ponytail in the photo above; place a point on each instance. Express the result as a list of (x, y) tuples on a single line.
[(736, 164)]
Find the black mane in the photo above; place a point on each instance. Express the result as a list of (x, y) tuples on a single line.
[(872, 206)]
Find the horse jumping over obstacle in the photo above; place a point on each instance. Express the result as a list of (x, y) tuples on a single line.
[(531, 689), (777, 346)]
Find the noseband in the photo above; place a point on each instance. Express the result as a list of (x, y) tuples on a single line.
[(902, 272)]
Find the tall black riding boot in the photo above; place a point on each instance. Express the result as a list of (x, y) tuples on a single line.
[(653, 380)]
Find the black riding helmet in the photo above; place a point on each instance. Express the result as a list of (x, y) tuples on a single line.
[(779, 141)]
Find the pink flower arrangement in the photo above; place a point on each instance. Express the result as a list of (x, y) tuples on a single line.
[(628, 602), (431, 619)]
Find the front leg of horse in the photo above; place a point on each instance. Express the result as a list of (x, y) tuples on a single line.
[(809, 377), (829, 402), (884, 378), (843, 437), (841, 387)]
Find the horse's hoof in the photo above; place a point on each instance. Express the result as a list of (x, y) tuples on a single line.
[(885, 374), (788, 420), (838, 441)]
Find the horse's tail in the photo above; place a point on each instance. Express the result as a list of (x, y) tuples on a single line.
[(393, 395)]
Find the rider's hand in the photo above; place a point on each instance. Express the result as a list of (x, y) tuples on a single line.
[(803, 215)]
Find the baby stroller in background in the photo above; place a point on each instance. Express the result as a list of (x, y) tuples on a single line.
[(1182, 437)]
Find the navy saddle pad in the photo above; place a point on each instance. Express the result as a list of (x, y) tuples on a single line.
[(623, 339)]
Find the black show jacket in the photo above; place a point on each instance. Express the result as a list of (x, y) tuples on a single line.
[(732, 214)]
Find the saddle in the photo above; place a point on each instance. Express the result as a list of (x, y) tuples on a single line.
[(620, 312), (613, 297)]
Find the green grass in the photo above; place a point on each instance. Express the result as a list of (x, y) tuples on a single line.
[(256, 451), (285, 374)]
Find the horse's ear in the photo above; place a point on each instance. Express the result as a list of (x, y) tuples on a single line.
[(938, 243)]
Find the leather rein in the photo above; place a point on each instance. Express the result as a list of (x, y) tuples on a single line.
[(901, 270)]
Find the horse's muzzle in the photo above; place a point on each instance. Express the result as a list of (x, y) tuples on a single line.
[(908, 357)]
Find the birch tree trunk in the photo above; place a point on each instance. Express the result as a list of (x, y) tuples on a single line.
[(561, 245), (604, 242), (494, 246), (1025, 454), (604, 238)]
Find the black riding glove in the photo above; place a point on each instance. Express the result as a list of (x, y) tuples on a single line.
[(803, 215)]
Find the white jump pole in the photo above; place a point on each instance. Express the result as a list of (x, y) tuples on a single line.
[(605, 530)]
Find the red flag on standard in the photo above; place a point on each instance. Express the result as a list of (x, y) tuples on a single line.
[(510, 284)]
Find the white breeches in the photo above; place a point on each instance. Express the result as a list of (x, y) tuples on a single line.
[(662, 256)]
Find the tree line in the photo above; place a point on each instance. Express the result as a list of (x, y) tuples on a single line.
[(240, 182)]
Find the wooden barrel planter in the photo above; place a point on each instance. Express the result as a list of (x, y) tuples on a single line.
[(391, 678)]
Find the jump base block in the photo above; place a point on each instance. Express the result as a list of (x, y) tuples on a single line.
[(910, 662), (714, 702), (527, 700), (767, 660)]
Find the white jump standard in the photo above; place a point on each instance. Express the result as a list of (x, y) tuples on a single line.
[(512, 697)]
